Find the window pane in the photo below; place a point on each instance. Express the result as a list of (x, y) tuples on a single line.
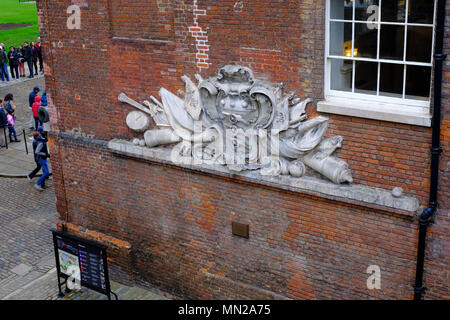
[(419, 44), (366, 75), (340, 37), (391, 80), (421, 11), (418, 82), (365, 41), (341, 9), (341, 75), (392, 42), (393, 10), (367, 9)]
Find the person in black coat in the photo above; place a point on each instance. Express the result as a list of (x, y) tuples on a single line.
[(40, 58), (29, 58), (38, 137), (34, 54), (13, 63), (3, 121)]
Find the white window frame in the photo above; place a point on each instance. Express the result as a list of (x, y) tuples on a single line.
[(422, 106)]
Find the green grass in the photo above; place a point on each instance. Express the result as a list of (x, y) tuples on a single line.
[(11, 11)]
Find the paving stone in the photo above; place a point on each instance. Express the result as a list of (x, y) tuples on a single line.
[(21, 269)]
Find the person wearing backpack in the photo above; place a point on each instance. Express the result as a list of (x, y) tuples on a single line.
[(11, 129), (8, 103), (31, 100), (35, 109), (41, 154), (37, 137)]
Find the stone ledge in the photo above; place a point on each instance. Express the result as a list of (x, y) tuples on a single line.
[(418, 116), (361, 195)]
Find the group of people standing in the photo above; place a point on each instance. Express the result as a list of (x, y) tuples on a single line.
[(8, 109), (30, 54), (40, 148)]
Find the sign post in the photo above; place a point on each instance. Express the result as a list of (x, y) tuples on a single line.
[(81, 263)]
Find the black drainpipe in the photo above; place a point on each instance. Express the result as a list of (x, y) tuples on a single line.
[(427, 216)]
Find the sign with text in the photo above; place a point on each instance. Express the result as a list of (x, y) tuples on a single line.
[(82, 263)]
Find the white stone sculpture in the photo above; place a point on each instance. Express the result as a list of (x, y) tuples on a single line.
[(240, 122)]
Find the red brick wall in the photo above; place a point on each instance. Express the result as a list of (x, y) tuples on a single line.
[(179, 222)]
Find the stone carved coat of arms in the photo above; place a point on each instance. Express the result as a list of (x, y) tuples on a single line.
[(239, 122)]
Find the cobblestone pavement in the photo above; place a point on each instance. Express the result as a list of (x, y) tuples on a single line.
[(25, 219), (26, 216), (27, 260)]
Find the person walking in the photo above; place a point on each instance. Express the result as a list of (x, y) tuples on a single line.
[(32, 174), (41, 155), (29, 59), (35, 109), (31, 100), (21, 59), (34, 54), (37, 137), (3, 64), (13, 63)]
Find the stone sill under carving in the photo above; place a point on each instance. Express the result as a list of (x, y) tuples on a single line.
[(353, 193), (419, 116)]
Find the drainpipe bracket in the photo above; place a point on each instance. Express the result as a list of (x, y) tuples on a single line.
[(440, 56), (437, 151), (419, 292), (427, 217)]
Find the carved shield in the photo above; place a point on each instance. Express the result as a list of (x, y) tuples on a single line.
[(235, 100)]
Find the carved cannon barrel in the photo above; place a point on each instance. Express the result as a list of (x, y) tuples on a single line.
[(155, 138)]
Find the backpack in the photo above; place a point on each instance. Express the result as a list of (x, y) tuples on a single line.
[(9, 108)]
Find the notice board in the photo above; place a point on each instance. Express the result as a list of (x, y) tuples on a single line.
[(82, 261)]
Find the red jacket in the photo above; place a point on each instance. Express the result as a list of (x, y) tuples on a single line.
[(36, 106)]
